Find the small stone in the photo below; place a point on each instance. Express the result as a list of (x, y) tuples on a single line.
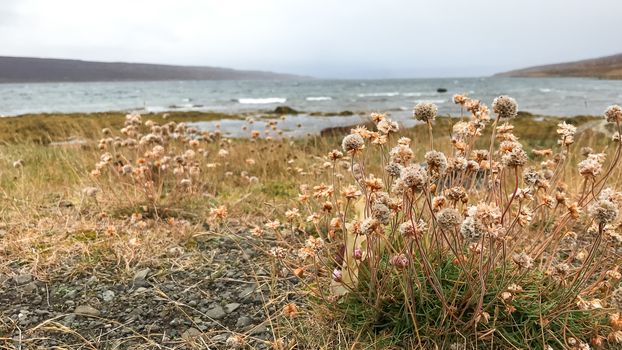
[(22, 279), (259, 329), (68, 320), (246, 292), (242, 322), (220, 338), (229, 308), (190, 333), (29, 287), (108, 296), (140, 277), (140, 290), (70, 294), (216, 312), (86, 310)]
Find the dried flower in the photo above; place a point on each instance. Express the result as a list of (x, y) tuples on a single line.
[(437, 162), (414, 177), (604, 212), (616, 298), (353, 144), (425, 112), (613, 114), (505, 107), (523, 260), (448, 219)]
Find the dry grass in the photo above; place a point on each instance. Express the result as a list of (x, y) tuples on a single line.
[(59, 220)]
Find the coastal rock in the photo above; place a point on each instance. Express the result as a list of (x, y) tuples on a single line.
[(285, 110)]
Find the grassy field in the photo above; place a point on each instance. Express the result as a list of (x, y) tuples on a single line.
[(150, 234)]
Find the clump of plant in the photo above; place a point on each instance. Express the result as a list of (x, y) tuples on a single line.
[(474, 247)]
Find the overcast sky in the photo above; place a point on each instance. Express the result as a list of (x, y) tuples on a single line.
[(322, 38)]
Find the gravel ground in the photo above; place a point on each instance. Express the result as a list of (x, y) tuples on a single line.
[(213, 297)]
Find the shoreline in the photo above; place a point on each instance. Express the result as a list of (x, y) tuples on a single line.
[(283, 122)]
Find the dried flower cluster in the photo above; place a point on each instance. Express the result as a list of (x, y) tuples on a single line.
[(479, 231)]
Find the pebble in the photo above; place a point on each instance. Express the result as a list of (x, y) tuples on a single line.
[(229, 308), (242, 321), (22, 279), (140, 277), (30, 287), (87, 310), (219, 338), (216, 312), (246, 292), (68, 320), (108, 296), (190, 333)]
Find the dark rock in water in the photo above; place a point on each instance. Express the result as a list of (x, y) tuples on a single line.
[(285, 110), (345, 113), (441, 90)]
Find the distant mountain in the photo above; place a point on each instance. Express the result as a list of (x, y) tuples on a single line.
[(30, 70), (609, 67)]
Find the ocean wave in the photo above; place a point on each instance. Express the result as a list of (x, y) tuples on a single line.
[(544, 90), (430, 101), (319, 98), (379, 94), (258, 101), (413, 94)]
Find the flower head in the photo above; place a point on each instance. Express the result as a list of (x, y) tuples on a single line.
[(505, 107), (604, 212), (353, 143), (425, 112), (448, 219), (613, 114)]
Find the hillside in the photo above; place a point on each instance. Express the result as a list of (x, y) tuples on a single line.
[(29, 70), (609, 67)]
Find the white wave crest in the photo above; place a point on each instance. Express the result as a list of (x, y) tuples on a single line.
[(379, 94), (259, 101), (430, 101), (319, 98)]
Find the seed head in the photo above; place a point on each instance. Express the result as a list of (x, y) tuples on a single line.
[(523, 260), (613, 114), (414, 177), (604, 212), (515, 158), (381, 213), (353, 143), (505, 107), (448, 219), (425, 112), (616, 298), (437, 162), (394, 169)]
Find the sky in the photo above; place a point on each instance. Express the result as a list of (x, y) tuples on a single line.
[(320, 38)]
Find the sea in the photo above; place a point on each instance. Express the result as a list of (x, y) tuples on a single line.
[(562, 97)]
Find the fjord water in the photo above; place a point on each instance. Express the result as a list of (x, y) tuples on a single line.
[(546, 96)]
